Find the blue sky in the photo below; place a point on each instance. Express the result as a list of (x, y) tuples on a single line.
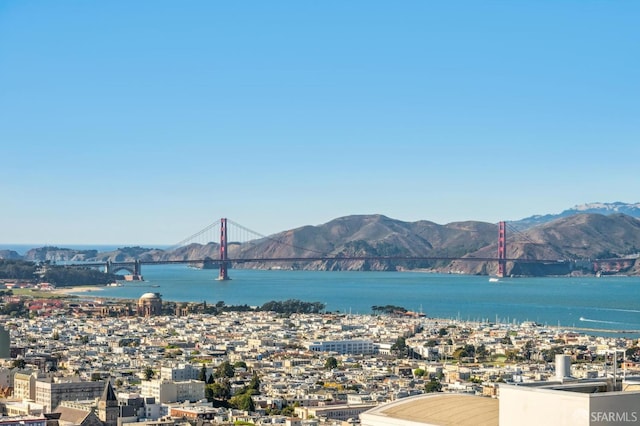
[(141, 122)]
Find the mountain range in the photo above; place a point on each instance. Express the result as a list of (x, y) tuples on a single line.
[(630, 209), (569, 241)]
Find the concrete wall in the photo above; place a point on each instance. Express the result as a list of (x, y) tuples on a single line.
[(523, 406), (615, 408)]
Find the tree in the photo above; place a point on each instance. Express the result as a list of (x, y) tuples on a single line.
[(481, 351), (202, 376), (208, 393), (400, 346), (220, 390), (148, 373), (225, 370), (254, 384), (460, 353), (19, 363), (240, 364), (331, 363), (293, 306), (419, 372), (433, 386), (243, 402), (633, 353), (288, 411)]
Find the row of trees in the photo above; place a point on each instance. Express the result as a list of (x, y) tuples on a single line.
[(286, 307), (388, 309), (58, 275), (292, 306), (17, 269), (69, 276), (14, 309)]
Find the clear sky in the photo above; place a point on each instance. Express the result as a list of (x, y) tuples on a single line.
[(141, 122)]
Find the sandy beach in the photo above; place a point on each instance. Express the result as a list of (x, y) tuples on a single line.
[(78, 289)]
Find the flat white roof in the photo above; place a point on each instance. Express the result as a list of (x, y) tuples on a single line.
[(445, 409)]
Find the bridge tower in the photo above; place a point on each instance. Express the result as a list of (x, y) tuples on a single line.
[(223, 276), (137, 270), (502, 249)]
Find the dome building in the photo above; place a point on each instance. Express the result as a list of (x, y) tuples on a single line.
[(150, 304)]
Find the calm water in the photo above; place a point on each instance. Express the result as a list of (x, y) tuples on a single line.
[(610, 303)]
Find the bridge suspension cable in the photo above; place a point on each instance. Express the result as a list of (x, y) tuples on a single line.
[(520, 234), (194, 236), (529, 240), (276, 240)]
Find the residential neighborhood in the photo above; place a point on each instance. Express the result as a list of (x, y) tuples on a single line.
[(92, 362)]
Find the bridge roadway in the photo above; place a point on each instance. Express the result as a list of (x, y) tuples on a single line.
[(312, 259)]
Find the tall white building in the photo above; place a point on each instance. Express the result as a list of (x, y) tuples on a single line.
[(50, 392), (182, 372), (24, 385), (168, 391)]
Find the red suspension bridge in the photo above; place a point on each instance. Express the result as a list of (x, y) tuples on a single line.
[(247, 238)]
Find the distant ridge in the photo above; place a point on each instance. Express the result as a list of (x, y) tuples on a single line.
[(378, 243), (629, 209)]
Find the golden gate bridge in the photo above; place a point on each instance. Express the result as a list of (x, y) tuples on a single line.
[(245, 236)]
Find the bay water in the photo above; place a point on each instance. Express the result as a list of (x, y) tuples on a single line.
[(605, 303)]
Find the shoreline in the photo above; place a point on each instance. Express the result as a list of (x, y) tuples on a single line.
[(83, 290), (69, 291)]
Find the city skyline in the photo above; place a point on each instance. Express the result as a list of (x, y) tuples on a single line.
[(141, 123)]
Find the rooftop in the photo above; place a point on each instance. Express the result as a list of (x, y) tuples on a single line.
[(442, 409)]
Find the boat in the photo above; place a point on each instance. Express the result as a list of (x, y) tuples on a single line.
[(493, 280)]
